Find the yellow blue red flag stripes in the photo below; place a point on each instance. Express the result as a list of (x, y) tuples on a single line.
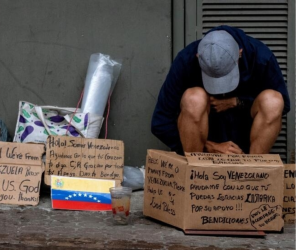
[(80, 193)]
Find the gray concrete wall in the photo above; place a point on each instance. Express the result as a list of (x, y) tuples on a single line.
[(45, 47)]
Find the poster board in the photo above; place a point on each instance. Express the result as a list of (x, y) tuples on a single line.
[(289, 198), (20, 173), (72, 193), (84, 158), (216, 192)]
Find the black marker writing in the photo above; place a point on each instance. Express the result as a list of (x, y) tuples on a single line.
[(223, 220), (198, 175), (254, 198)]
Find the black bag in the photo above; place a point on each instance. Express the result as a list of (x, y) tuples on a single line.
[(4, 135)]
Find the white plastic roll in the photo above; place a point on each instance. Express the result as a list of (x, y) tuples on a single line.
[(102, 75)]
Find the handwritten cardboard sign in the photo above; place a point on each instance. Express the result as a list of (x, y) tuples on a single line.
[(214, 191), (20, 173), (85, 158), (289, 198)]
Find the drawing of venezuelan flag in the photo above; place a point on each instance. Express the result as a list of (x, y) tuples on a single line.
[(80, 193)]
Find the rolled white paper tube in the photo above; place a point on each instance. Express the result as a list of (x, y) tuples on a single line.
[(98, 84)]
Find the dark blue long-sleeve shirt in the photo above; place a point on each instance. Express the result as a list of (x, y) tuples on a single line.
[(259, 70)]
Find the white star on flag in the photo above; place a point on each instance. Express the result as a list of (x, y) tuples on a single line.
[(70, 196), (85, 195), (79, 194), (90, 196), (74, 195), (95, 198), (66, 198)]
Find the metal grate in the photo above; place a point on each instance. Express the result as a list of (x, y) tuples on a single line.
[(266, 20)]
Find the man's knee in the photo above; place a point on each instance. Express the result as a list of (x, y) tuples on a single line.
[(194, 101), (270, 103)]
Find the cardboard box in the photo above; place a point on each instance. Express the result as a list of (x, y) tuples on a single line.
[(204, 191), (20, 173), (289, 198), (84, 158)]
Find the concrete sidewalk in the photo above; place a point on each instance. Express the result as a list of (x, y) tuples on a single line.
[(41, 227)]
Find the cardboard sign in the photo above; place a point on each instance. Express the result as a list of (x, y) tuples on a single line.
[(20, 173), (214, 191), (289, 198), (85, 158), (81, 193)]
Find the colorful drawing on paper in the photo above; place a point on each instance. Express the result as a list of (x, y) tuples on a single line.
[(73, 193)]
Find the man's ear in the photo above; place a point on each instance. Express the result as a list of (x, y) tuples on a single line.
[(240, 53)]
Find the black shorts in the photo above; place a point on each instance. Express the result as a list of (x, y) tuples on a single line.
[(231, 125)]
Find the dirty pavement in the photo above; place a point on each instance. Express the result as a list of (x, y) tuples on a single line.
[(41, 227)]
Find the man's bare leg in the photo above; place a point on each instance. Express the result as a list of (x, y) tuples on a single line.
[(193, 119), (266, 112)]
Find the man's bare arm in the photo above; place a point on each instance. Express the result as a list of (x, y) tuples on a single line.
[(228, 147)]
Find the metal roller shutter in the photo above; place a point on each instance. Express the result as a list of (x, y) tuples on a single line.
[(266, 20)]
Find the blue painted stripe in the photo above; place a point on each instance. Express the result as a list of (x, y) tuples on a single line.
[(72, 195)]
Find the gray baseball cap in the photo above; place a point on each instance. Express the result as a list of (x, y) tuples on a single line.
[(218, 57)]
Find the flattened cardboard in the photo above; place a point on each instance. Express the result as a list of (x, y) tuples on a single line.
[(289, 198), (225, 233), (72, 193), (214, 191), (84, 158), (20, 173)]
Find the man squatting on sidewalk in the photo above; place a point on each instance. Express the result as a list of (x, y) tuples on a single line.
[(223, 94)]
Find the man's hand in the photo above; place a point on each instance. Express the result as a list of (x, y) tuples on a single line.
[(228, 147), (222, 104)]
